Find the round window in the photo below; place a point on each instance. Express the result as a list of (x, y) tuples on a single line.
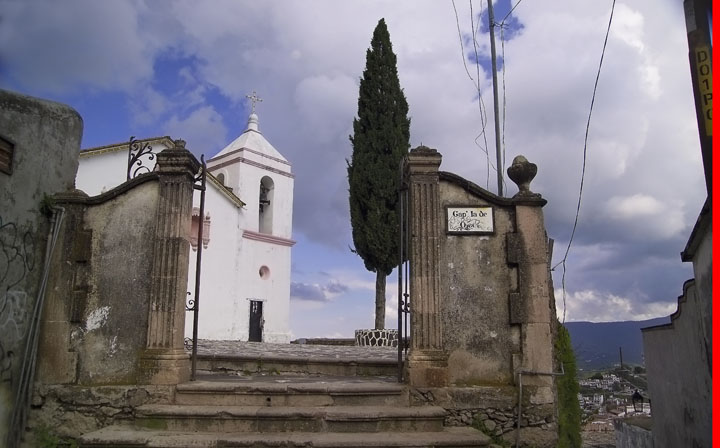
[(264, 272)]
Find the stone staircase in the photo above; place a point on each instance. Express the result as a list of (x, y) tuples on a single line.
[(271, 410)]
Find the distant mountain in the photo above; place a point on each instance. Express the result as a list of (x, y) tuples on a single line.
[(597, 345)]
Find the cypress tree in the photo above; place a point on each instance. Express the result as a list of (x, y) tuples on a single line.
[(381, 138)]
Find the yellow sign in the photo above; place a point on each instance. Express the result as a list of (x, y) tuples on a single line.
[(703, 65)]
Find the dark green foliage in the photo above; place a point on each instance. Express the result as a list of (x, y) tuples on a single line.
[(381, 138), (597, 376), (569, 414)]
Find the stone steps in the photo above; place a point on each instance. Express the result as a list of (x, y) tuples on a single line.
[(287, 393), (299, 410), (124, 437), (240, 364), (264, 419)]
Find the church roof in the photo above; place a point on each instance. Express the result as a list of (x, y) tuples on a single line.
[(251, 139)]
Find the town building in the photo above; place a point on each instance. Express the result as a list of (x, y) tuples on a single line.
[(245, 272)]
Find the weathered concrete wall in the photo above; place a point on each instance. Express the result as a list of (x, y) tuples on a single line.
[(46, 139), (497, 301), (678, 355), (630, 435), (95, 320), (96, 314), (475, 290), (481, 300)]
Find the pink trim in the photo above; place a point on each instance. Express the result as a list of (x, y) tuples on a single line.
[(250, 162), (235, 151), (265, 238)]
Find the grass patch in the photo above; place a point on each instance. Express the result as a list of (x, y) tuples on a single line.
[(46, 438)]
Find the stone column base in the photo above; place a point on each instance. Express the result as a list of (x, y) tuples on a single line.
[(162, 366), (427, 368)]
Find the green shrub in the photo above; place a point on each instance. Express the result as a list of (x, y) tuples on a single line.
[(569, 414)]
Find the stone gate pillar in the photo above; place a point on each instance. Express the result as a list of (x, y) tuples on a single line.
[(427, 361), (531, 304), (164, 360)]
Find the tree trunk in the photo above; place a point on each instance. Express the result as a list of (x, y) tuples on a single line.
[(380, 300)]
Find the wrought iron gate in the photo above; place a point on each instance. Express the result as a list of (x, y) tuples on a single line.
[(193, 304), (403, 270)]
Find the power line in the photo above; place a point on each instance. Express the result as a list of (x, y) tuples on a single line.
[(584, 162)]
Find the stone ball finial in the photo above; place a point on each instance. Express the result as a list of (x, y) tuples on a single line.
[(522, 173), (179, 143)]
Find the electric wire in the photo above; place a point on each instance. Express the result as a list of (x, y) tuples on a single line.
[(462, 48), (504, 98), (584, 164), (481, 103), (511, 11)]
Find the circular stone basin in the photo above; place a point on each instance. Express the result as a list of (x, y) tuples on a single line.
[(376, 338)]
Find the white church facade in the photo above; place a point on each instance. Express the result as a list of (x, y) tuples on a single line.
[(246, 255)]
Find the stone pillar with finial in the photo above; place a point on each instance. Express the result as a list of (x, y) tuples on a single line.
[(427, 360), (164, 360), (532, 306)]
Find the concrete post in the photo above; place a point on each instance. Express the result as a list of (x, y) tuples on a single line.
[(427, 361), (164, 360)]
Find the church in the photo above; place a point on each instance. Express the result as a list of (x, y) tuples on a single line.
[(247, 231)]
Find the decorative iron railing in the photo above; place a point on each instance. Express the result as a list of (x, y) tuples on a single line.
[(140, 158)]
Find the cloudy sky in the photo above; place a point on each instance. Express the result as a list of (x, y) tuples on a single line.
[(183, 68)]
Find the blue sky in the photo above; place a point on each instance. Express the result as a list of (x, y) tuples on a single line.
[(182, 68)]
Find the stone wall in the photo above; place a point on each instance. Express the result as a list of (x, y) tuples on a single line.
[(44, 138), (493, 409), (629, 434), (678, 355), (69, 411)]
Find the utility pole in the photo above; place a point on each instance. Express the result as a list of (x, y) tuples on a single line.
[(491, 19)]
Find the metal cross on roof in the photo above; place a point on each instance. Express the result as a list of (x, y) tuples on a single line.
[(255, 99)]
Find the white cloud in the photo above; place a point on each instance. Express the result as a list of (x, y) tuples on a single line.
[(646, 215), (202, 129), (597, 306), (70, 46), (317, 292), (643, 183)]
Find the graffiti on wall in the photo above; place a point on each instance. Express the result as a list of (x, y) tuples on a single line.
[(17, 260)]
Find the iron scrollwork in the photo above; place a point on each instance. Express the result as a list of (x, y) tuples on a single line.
[(190, 303), (188, 344), (140, 157)]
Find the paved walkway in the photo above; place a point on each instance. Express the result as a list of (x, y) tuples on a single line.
[(263, 350)]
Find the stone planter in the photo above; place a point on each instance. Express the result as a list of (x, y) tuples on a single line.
[(376, 338)]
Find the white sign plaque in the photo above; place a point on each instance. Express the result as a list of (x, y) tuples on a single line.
[(470, 220)]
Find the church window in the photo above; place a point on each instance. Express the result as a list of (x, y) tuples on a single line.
[(221, 178), (265, 204), (195, 226)]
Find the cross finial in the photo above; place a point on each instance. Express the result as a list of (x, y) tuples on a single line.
[(255, 99)]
